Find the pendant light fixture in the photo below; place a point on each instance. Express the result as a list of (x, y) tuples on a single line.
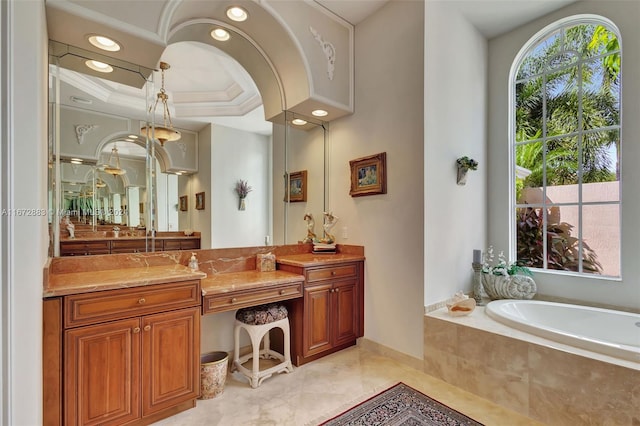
[(166, 132), (113, 168)]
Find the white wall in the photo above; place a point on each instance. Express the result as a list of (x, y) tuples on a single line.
[(388, 118), (502, 51), (24, 242), (235, 155), (455, 126)]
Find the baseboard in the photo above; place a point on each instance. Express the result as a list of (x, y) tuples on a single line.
[(377, 348)]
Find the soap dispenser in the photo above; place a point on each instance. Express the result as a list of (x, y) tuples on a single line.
[(193, 262)]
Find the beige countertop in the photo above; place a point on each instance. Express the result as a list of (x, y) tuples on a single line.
[(85, 282), (306, 260)]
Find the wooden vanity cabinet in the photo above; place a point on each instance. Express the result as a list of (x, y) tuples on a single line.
[(131, 356), (84, 248), (181, 244), (330, 316)]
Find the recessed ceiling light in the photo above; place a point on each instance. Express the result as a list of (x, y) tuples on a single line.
[(298, 122), (220, 34), (104, 43), (236, 13), (319, 113), (99, 66)]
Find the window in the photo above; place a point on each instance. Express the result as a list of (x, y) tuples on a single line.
[(565, 138)]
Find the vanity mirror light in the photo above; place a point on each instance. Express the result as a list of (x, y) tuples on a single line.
[(90, 115)]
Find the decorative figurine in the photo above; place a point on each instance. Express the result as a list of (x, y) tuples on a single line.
[(329, 222), (69, 226), (311, 235)]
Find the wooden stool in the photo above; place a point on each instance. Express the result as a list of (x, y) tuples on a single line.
[(258, 321)]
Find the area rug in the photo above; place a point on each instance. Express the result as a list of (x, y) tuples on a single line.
[(401, 405)]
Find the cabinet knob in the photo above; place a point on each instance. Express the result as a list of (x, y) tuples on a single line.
[(333, 272), (141, 301), (147, 327), (233, 300), (283, 291), (337, 290), (136, 330)]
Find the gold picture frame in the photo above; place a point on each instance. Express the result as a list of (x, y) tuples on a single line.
[(369, 175), (296, 187), (200, 201), (184, 203)]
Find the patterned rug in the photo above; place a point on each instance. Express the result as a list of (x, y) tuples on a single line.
[(401, 405)]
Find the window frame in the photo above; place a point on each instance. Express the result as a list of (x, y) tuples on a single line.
[(526, 49)]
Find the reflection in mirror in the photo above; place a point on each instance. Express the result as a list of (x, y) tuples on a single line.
[(90, 116)]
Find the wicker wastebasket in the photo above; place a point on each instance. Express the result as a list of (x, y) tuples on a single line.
[(213, 374)]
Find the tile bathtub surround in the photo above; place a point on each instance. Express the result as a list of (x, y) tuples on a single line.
[(325, 388), (545, 383)]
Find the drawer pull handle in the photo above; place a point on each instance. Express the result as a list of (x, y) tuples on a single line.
[(136, 330), (141, 301), (283, 291), (333, 272), (147, 327), (233, 300), (337, 290)]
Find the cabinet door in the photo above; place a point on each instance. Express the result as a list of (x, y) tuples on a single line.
[(102, 373), (317, 319), (170, 359), (344, 312)]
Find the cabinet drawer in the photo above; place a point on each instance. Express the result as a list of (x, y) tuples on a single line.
[(89, 308), (238, 299), (185, 244), (84, 248), (128, 246), (327, 273)]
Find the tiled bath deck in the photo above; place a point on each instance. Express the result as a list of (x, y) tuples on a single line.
[(548, 381)]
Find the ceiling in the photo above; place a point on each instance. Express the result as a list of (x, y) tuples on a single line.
[(216, 89)]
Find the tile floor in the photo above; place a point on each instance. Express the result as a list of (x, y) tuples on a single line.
[(324, 388)]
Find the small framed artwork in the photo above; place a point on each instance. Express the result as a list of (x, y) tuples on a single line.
[(200, 201), (369, 175), (297, 189), (184, 203)]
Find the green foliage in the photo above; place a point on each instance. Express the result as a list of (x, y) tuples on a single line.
[(562, 247)]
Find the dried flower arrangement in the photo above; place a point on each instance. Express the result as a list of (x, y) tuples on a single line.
[(243, 188)]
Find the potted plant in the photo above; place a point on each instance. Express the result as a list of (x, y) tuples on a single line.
[(506, 280), (465, 164)]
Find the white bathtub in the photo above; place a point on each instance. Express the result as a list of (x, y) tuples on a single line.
[(609, 332)]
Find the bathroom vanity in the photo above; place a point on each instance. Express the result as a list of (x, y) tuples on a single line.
[(122, 332)]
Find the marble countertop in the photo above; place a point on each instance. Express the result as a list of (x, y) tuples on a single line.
[(306, 260), (250, 280), (86, 282), (128, 238)]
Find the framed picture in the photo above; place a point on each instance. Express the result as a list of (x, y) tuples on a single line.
[(184, 203), (369, 175), (297, 188), (200, 201)]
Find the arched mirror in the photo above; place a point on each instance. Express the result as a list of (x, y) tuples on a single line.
[(181, 190)]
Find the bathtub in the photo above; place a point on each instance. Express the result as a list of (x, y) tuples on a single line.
[(605, 331)]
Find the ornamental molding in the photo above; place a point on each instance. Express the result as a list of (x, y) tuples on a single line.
[(329, 52), (183, 149), (83, 129)]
